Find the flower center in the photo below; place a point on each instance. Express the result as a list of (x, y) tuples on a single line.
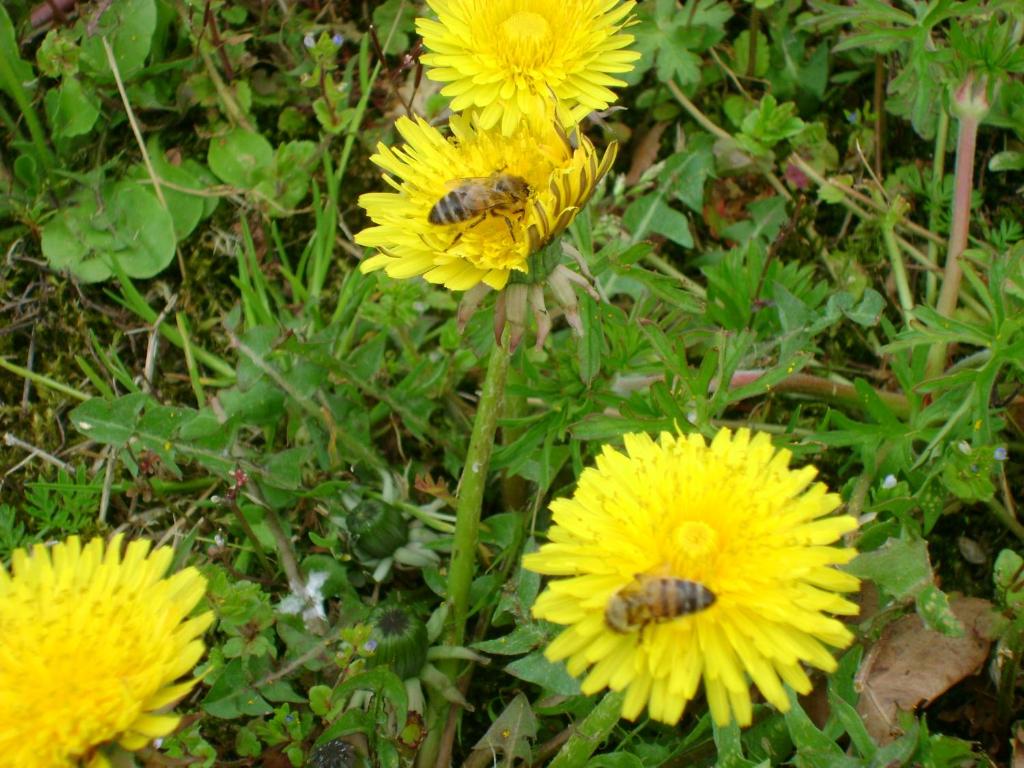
[(696, 542), (527, 38)]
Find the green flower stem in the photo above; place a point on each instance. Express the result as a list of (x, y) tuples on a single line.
[(967, 138), (591, 732), (471, 492), (467, 525), (513, 487)]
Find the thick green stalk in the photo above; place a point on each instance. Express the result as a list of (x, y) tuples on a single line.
[(471, 492), (514, 492), (591, 732), (467, 526)]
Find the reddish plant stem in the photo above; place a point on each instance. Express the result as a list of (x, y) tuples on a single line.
[(824, 389), (967, 138)]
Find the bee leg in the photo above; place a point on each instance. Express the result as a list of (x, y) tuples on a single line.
[(511, 232)]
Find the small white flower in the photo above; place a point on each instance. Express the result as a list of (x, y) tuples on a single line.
[(308, 599), (889, 482)]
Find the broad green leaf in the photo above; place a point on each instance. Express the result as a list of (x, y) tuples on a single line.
[(901, 568), (511, 733), (126, 223), (537, 669), (109, 421), (650, 213), (70, 109), (128, 26), (241, 158)]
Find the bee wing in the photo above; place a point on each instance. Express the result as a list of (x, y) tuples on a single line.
[(456, 183)]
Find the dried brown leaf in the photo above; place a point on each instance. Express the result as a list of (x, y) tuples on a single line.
[(646, 152), (911, 665)]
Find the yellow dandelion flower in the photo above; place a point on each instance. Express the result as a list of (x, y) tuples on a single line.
[(685, 561), (473, 207), (93, 646), (503, 58)]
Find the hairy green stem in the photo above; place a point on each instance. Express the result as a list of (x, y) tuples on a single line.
[(467, 526), (471, 492), (966, 142), (513, 487), (591, 732)]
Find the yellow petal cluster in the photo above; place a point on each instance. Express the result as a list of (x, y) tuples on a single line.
[(730, 515), (92, 648), (561, 174), (504, 58)]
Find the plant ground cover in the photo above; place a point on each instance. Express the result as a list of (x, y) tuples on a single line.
[(812, 229)]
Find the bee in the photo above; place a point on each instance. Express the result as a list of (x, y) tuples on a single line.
[(497, 194), (651, 599)]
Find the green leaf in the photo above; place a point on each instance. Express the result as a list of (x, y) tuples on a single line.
[(741, 54), (615, 760), (289, 182), (109, 421), (814, 748), (675, 62), (650, 213), (1007, 160), (901, 568), (397, 14), (769, 124), (71, 110), (14, 70), (933, 607), (232, 696), (241, 158), (320, 699), (852, 723), (523, 638), (512, 732), (128, 25), (538, 670), (687, 171), (382, 681), (126, 223), (1008, 575)]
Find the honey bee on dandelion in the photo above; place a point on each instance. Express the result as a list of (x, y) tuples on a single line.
[(652, 600), (499, 194), (471, 207)]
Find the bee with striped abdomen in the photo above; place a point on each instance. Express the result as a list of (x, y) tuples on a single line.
[(497, 194), (652, 599)]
